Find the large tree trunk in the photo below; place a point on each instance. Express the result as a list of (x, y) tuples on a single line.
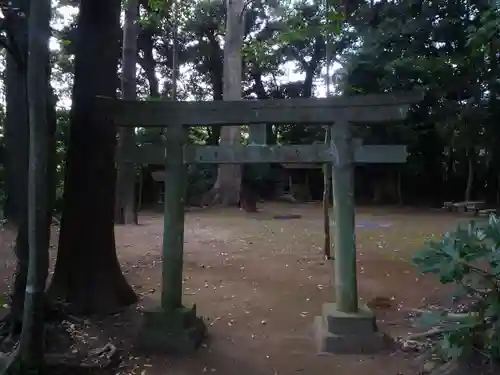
[(226, 190), (125, 205), (87, 274)]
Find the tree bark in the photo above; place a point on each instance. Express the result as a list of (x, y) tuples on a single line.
[(16, 151), (227, 187), (147, 62), (327, 177), (470, 174), (17, 138), (125, 205), (87, 273), (16, 126), (399, 187), (32, 341), (216, 64), (327, 168), (498, 190)]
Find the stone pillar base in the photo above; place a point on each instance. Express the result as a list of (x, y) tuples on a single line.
[(176, 332), (344, 333)]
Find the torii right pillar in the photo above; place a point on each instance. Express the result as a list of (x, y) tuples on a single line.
[(345, 327)]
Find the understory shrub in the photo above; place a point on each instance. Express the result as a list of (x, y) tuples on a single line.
[(470, 258)]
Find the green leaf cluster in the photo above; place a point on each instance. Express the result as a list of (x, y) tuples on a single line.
[(487, 31), (470, 258)]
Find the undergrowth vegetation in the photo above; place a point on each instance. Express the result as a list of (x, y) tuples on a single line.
[(470, 258)]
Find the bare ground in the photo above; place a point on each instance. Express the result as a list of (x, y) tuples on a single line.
[(259, 282)]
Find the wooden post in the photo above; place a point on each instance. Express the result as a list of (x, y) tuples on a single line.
[(173, 232), (345, 238)]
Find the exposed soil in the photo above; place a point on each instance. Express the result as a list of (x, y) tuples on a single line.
[(259, 281)]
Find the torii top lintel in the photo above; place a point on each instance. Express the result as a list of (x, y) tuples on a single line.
[(372, 108)]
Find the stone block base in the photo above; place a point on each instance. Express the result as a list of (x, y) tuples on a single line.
[(344, 333), (176, 332)]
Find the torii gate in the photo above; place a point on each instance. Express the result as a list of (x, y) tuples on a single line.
[(344, 325)]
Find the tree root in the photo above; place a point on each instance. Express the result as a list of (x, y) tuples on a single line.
[(448, 315), (105, 358), (215, 197), (57, 312), (208, 198), (5, 325), (86, 361), (102, 360), (54, 312), (433, 332), (56, 221), (9, 362)]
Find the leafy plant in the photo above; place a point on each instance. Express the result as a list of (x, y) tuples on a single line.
[(487, 30), (470, 258)]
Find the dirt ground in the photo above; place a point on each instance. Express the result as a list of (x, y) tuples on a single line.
[(259, 281)]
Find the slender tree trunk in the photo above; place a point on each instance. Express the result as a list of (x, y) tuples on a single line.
[(16, 125), (147, 62), (125, 205), (32, 337), (399, 188), (327, 168), (327, 176), (470, 175), (16, 141), (498, 190), (216, 80), (494, 111), (140, 189), (228, 184), (87, 273), (175, 64)]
